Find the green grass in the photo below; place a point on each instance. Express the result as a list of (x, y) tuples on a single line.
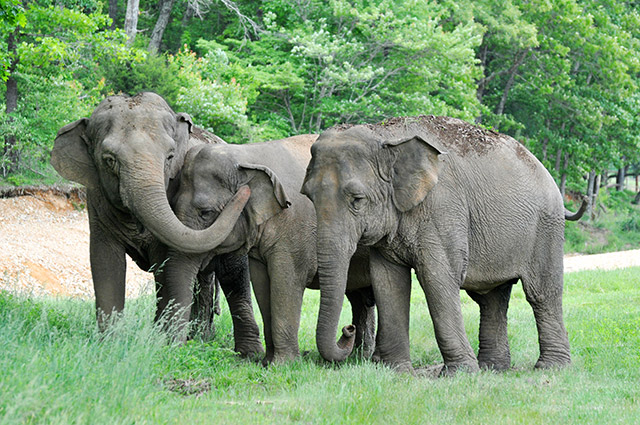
[(57, 369)]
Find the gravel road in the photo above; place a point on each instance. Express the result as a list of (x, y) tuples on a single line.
[(44, 250)]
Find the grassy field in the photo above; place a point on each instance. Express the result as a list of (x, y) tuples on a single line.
[(56, 369)]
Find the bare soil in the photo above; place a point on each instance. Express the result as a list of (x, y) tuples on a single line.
[(44, 248)]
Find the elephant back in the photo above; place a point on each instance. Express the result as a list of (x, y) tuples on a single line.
[(200, 135)]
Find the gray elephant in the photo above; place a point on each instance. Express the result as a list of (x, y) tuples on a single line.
[(276, 229), (129, 155), (466, 208)]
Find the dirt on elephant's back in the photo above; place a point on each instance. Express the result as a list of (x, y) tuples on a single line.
[(44, 245)]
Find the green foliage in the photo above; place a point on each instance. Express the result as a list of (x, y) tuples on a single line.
[(58, 369), (215, 101), (616, 225), (57, 54), (153, 73), (559, 75)]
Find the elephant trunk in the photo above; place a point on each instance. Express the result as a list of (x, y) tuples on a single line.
[(333, 267), (147, 199)]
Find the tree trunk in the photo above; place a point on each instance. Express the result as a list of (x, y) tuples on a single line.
[(590, 196), (188, 14), (113, 12), (512, 75), (604, 178), (563, 179), (161, 25), (131, 20), (11, 98), (558, 159), (620, 178)]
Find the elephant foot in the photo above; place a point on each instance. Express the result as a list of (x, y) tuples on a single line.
[(495, 362), (430, 372), (494, 366), (451, 369), (553, 362), (280, 358), (375, 357), (249, 350), (401, 367), (202, 330)]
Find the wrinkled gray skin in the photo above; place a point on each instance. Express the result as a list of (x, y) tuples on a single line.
[(129, 154), (466, 208), (276, 229)]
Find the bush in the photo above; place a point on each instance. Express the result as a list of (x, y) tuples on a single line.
[(155, 74)]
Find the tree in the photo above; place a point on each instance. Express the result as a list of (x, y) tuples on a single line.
[(14, 18), (131, 20), (165, 7), (320, 65), (50, 79), (570, 96)]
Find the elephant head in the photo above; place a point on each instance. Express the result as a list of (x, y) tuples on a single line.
[(129, 149), (361, 180), (210, 177)]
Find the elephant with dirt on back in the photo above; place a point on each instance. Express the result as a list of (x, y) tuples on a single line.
[(129, 155), (466, 208), (276, 229)]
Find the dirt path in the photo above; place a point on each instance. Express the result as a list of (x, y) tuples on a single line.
[(44, 250)]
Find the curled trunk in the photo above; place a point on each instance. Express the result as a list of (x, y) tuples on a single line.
[(148, 201), (333, 266)]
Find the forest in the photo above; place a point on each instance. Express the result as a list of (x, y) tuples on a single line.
[(561, 76)]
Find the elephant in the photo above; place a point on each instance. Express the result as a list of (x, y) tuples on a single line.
[(276, 229), (466, 208), (129, 155)]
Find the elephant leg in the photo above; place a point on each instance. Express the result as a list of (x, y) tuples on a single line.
[(261, 288), (108, 271), (286, 291), (544, 294), (443, 299), (364, 318), (233, 273), (392, 290), (494, 345), (205, 301), (174, 303)]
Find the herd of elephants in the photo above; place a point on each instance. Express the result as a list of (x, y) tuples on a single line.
[(350, 212)]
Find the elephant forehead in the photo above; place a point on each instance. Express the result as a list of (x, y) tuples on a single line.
[(121, 112)]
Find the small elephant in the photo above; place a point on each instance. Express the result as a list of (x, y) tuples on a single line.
[(466, 208), (276, 229), (129, 154)]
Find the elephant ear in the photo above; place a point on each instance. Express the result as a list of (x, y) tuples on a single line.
[(415, 166), (268, 197), (181, 136), (70, 155), (185, 118)]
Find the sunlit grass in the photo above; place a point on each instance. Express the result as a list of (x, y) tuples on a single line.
[(56, 368)]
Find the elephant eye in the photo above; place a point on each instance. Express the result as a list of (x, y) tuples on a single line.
[(170, 156), (206, 214), (110, 162), (358, 201)]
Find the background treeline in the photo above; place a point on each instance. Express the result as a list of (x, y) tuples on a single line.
[(561, 76)]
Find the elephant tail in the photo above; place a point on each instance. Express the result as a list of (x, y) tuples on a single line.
[(568, 215)]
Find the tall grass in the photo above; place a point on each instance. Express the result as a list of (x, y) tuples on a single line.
[(55, 368)]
